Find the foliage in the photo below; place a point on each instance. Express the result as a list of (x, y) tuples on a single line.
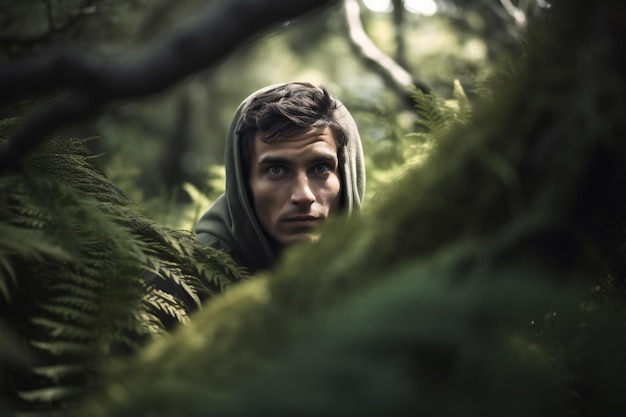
[(141, 134), (477, 286), (315, 49), (489, 280), (436, 117), (82, 275)]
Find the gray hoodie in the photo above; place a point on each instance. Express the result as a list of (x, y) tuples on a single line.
[(231, 224)]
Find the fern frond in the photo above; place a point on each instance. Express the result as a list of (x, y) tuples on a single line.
[(55, 373), (74, 291), (73, 260), (62, 348), (434, 115), (47, 395), (61, 329), (30, 243), (167, 303), (464, 105), (67, 312)]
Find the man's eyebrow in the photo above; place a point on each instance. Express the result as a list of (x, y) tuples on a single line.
[(279, 160), (329, 157), (273, 160)]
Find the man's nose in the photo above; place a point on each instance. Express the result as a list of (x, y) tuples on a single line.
[(301, 193)]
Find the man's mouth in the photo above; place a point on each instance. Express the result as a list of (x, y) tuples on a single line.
[(303, 221)]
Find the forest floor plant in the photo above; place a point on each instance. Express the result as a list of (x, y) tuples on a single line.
[(74, 265)]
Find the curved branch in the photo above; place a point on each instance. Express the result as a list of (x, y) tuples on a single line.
[(396, 76), (93, 81), (517, 14)]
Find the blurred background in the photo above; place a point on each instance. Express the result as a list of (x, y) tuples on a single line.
[(166, 150)]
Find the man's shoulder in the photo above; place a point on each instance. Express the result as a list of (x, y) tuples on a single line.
[(214, 241), (212, 229)]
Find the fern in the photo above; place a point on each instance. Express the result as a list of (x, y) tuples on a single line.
[(73, 260), (437, 118), (434, 114)]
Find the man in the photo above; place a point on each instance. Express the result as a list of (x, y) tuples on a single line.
[(293, 157)]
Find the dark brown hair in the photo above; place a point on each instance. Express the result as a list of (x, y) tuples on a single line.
[(288, 110)]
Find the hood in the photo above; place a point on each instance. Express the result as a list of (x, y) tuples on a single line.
[(230, 224)]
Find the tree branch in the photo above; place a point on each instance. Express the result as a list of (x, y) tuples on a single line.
[(517, 14), (93, 81), (394, 74)]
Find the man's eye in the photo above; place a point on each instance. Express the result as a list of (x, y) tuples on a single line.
[(322, 169), (276, 170)]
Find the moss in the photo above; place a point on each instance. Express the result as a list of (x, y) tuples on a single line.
[(437, 298)]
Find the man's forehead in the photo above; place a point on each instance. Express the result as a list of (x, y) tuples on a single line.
[(303, 138), (296, 136), (311, 145)]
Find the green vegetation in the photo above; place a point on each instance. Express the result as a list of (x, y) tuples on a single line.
[(485, 276), (75, 262)]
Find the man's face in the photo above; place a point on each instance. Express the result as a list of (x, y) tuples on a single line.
[(295, 184)]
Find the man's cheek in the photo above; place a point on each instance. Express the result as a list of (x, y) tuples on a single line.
[(334, 198)]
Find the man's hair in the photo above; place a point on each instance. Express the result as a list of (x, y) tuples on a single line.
[(288, 110)]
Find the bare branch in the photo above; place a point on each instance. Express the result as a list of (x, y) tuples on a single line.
[(394, 74), (93, 81), (516, 13)]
